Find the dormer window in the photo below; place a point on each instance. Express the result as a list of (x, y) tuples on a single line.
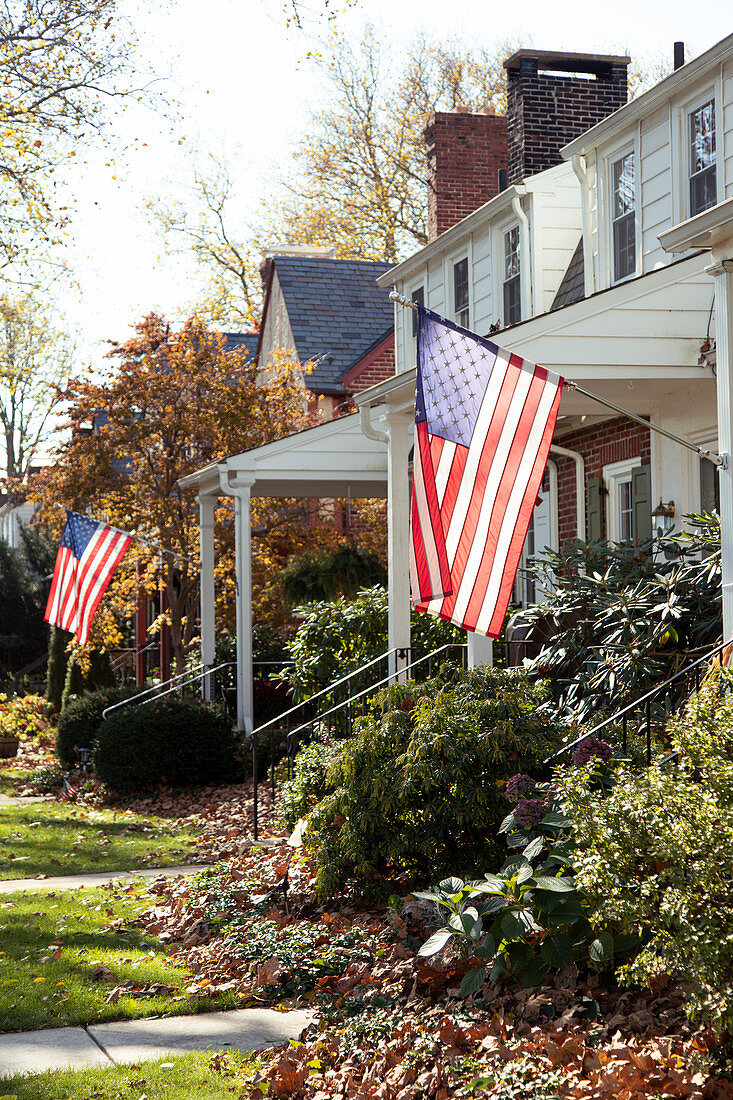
[(460, 293), (512, 277), (623, 217), (703, 184)]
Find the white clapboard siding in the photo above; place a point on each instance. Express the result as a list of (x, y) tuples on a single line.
[(656, 187), (727, 155)]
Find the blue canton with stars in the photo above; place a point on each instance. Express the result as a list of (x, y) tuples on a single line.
[(78, 532), (453, 371)]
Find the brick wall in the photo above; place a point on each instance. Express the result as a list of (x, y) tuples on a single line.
[(361, 378), (600, 445), (465, 153), (546, 111)]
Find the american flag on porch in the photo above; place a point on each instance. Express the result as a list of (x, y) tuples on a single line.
[(88, 555), (484, 420)]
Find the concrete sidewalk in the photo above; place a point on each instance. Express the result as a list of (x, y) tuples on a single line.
[(141, 1040), (73, 882)]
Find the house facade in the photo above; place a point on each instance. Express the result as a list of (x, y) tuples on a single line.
[(577, 231)]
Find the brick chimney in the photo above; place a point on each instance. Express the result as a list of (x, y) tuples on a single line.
[(465, 153), (552, 98)]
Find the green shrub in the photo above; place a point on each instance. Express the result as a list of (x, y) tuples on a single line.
[(310, 782), (655, 854), (174, 741), (621, 618), (80, 720), (339, 636), (417, 791)]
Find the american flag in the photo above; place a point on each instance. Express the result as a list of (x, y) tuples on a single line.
[(89, 553), (484, 420)]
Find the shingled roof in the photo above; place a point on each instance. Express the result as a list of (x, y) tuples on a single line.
[(336, 312), (572, 287), (242, 341)]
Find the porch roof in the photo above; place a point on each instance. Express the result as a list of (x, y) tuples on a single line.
[(638, 340), (334, 459)]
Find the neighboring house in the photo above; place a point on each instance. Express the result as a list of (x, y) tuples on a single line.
[(13, 514), (330, 313), (548, 232)]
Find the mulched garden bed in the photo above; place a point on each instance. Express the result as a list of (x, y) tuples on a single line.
[(392, 1026)]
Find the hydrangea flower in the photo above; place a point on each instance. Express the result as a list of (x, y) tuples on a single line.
[(529, 812), (519, 787), (590, 748)]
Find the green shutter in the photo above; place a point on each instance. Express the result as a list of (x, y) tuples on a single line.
[(641, 502), (594, 493)]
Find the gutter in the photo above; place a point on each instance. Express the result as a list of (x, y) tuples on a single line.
[(588, 268)]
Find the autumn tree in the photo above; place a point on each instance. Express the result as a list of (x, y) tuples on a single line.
[(60, 61), (170, 403), (35, 361)]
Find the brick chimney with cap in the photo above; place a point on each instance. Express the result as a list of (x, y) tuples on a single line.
[(465, 153), (553, 97)]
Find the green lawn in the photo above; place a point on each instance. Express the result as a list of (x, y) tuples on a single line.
[(63, 957), (184, 1077), (54, 838)]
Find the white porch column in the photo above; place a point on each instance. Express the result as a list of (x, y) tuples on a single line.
[(207, 595), (480, 649), (722, 272), (398, 533), (241, 488)]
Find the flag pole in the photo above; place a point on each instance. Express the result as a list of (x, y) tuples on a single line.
[(717, 460), (137, 538)]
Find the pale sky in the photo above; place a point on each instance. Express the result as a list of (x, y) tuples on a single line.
[(245, 88)]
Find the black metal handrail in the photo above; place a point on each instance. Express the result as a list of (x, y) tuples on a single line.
[(645, 701), (155, 692), (292, 737)]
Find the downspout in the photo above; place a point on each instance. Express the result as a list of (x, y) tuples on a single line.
[(526, 271), (590, 275), (555, 505), (365, 423), (579, 484)]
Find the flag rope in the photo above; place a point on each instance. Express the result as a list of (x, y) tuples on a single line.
[(718, 460)]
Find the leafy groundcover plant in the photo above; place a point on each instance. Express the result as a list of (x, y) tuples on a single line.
[(419, 787), (531, 917)]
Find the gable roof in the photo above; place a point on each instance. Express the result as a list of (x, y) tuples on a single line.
[(572, 286), (336, 312)]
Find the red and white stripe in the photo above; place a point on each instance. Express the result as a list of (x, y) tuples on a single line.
[(471, 517), (78, 584)]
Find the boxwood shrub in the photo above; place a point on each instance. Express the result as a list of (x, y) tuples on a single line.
[(179, 742), (80, 720), (417, 793)]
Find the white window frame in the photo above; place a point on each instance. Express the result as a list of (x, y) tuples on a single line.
[(613, 476), (509, 228), (452, 264), (680, 112), (612, 161), (604, 183)]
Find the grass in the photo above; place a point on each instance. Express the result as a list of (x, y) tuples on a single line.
[(52, 838), (185, 1077), (63, 954)]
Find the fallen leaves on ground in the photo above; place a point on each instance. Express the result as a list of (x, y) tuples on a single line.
[(392, 1026)]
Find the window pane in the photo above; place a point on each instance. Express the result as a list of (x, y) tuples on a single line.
[(623, 186), (703, 189), (512, 301), (702, 138), (511, 253), (460, 292), (624, 509), (624, 247)]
